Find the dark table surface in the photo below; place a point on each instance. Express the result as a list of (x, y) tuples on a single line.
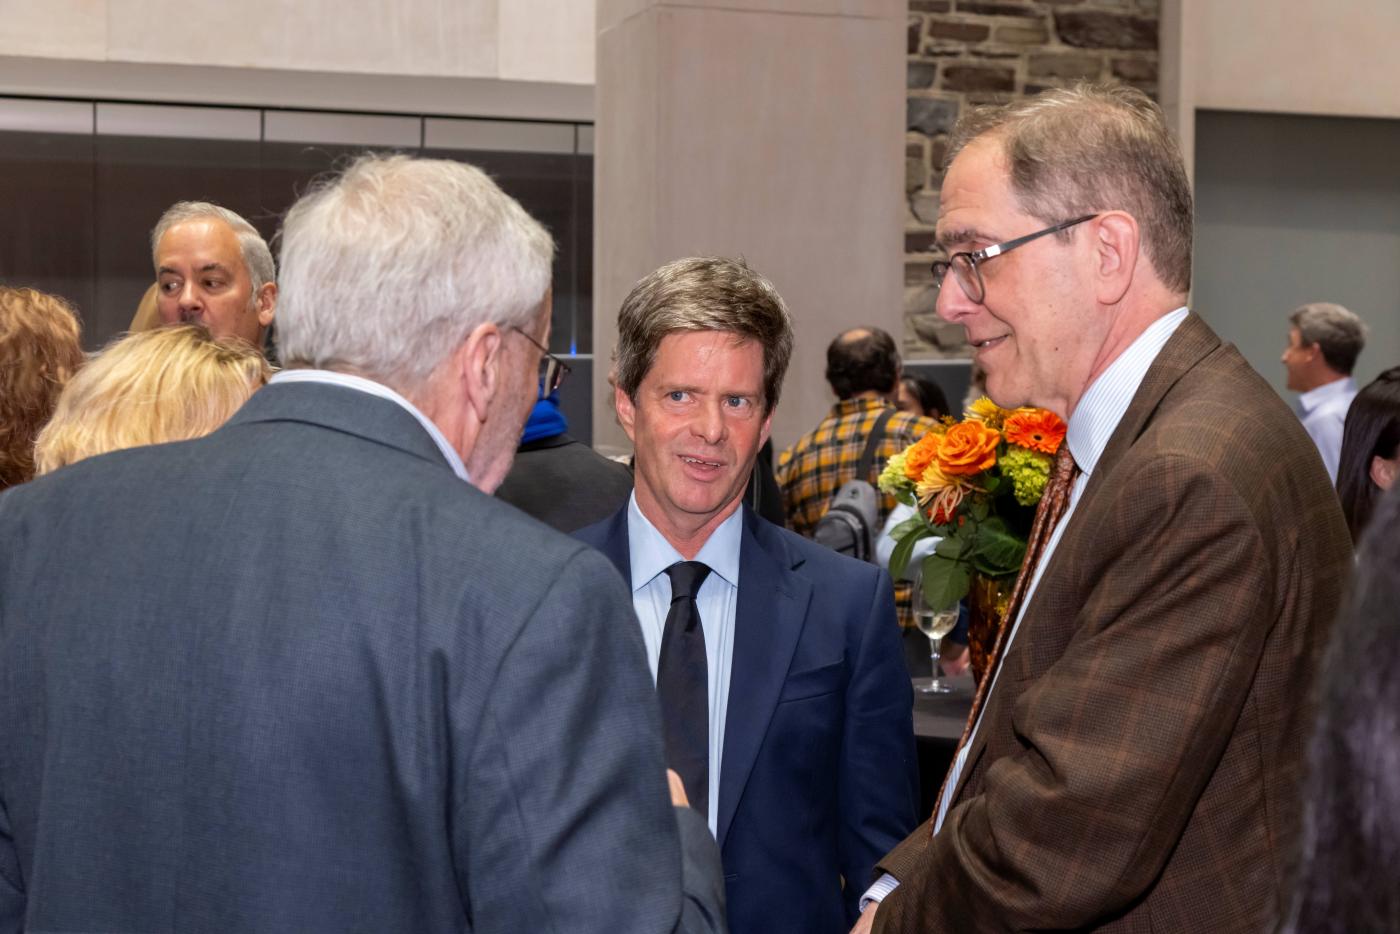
[(941, 717)]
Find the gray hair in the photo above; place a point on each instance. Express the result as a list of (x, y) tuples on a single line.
[(1093, 148), (703, 293), (256, 256), (1339, 332), (388, 267)]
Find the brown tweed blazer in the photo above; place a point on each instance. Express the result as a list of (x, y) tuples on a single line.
[(1138, 764)]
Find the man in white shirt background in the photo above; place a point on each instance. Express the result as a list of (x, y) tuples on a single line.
[(1324, 340)]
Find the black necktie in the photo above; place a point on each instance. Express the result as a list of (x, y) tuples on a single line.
[(682, 683)]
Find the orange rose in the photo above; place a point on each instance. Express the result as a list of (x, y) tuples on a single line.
[(1037, 429), (920, 454), (968, 448)]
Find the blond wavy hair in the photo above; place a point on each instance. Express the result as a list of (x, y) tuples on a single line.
[(40, 350), (170, 384)]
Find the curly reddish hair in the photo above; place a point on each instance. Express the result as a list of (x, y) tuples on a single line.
[(39, 351)]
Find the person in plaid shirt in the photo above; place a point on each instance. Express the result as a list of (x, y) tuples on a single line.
[(863, 368)]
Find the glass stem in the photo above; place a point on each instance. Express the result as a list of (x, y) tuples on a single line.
[(934, 655)]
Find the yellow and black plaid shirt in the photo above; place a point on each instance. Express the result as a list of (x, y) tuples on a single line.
[(812, 470)]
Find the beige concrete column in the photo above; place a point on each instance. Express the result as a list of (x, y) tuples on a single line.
[(767, 128)]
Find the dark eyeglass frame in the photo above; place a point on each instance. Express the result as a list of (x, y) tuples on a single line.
[(964, 265), (552, 369)]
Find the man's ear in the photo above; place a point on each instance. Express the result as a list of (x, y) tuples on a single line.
[(266, 303), (477, 364), (1383, 471), (1116, 245), (626, 410)]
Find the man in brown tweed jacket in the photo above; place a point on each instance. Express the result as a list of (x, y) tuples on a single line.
[(1135, 764)]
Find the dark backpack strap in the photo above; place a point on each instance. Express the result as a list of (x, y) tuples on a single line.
[(877, 434)]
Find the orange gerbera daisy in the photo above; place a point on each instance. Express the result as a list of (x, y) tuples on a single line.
[(1037, 429)]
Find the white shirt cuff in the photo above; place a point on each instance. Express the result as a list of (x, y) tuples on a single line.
[(877, 892)]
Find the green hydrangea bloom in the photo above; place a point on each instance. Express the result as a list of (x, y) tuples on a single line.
[(1027, 470), (892, 478)]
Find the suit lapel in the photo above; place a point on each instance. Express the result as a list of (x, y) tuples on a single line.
[(615, 544), (772, 607)]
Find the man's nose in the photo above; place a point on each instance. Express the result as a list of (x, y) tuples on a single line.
[(190, 299), (709, 424), (952, 304)]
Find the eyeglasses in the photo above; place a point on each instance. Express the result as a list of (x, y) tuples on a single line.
[(964, 265), (552, 369)]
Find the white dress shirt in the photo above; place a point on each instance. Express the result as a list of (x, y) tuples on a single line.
[(1323, 412), (1091, 425), (360, 384), (717, 602)]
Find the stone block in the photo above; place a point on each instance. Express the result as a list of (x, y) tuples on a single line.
[(1135, 69), (1064, 66), (978, 78), (996, 9), (918, 241), (921, 74), (915, 174), (937, 152), (957, 30), (1028, 33), (924, 205), (916, 34), (1095, 29), (931, 115), (930, 6)]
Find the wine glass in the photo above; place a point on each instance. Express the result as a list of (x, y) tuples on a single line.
[(935, 621)]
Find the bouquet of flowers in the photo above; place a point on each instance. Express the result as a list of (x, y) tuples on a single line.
[(975, 484)]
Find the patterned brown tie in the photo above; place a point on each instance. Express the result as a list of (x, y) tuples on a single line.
[(1047, 515)]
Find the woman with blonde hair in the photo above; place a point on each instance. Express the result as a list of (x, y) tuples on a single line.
[(169, 384), (39, 351)]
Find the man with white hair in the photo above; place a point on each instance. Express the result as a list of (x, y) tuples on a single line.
[(316, 679), (1324, 341), (213, 268)]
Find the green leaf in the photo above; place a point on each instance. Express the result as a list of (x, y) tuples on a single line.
[(945, 582), (991, 483), (997, 550), (899, 560), (907, 498), (908, 525), (980, 509), (950, 547)]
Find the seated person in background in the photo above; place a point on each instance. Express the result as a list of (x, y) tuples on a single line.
[(920, 396), (170, 384), (557, 479), (1370, 459), (1350, 839), (39, 351)]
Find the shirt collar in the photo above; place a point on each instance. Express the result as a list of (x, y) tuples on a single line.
[(846, 407), (1106, 401), (1335, 389), (651, 554), (360, 384)]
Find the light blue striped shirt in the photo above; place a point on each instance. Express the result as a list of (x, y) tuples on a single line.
[(717, 601), (360, 384), (1091, 425)]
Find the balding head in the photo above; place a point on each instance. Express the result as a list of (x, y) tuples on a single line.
[(862, 360)]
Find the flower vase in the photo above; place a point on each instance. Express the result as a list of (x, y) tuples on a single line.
[(987, 602)]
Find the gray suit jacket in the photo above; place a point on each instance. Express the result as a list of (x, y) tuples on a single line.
[(297, 676)]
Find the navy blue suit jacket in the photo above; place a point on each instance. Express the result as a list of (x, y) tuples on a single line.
[(819, 775)]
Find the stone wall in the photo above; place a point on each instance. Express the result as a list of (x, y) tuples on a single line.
[(964, 52)]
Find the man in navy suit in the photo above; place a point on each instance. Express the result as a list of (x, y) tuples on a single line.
[(786, 708), (306, 674)]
